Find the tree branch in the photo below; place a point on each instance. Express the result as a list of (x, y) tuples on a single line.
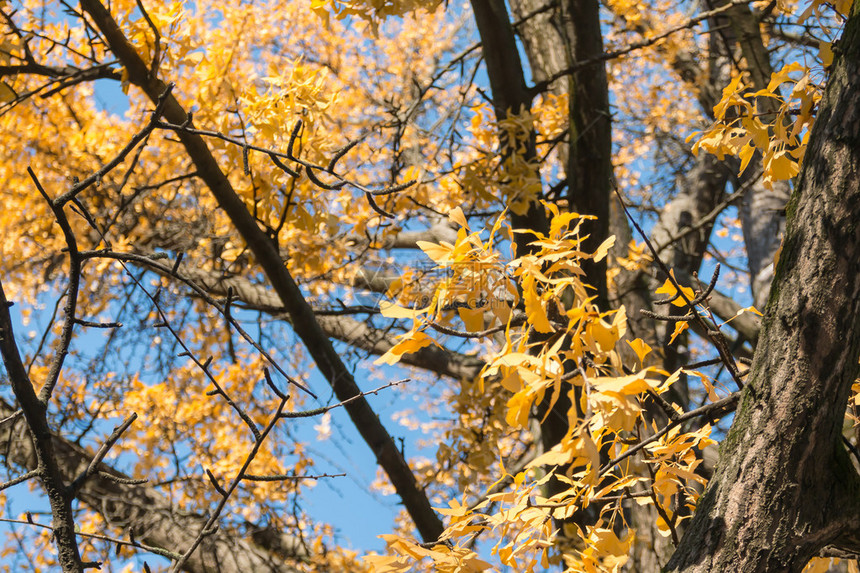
[(265, 250)]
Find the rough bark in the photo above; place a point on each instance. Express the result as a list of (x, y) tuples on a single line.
[(510, 95), (589, 170), (544, 42), (784, 487)]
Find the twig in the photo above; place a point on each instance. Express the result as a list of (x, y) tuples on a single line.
[(324, 409), (135, 544), (173, 272), (712, 331), (22, 478), (287, 477), (725, 405), (101, 453), (141, 135)]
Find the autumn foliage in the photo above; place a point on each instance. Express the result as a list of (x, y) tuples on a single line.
[(159, 156)]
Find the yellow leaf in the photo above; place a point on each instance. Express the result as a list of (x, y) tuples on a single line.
[(512, 382), (746, 154), (391, 310), (519, 408), (394, 288), (676, 375), (662, 528), (456, 509), (604, 335), (680, 327), (626, 385), (7, 94), (413, 343), (780, 166), (752, 309), (603, 249), (124, 81), (456, 215), (534, 306), (440, 253), (707, 383), (669, 289), (818, 565), (781, 76), (733, 87), (555, 457), (514, 359), (559, 222), (640, 348), (825, 53), (473, 318)]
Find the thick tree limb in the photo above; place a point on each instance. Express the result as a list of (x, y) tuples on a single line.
[(589, 169), (510, 97), (438, 232), (265, 250), (344, 328), (785, 487)]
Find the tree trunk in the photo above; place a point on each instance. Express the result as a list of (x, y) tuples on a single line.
[(785, 487), (589, 164)]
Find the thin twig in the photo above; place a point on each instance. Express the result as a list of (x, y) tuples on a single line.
[(287, 477), (712, 331), (78, 482), (141, 135), (135, 544), (727, 404)]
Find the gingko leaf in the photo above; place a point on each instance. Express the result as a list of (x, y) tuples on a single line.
[(680, 327), (780, 77), (625, 385), (751, 309), (603, 335), (674, 377), (473, 318), (640, 348), (440, 253), (781, 166), (535, 312), (391, 310), (559, 222), (456, 216), (7, 94), (519, 408), (668, 288), (512, 382), (555, 457), (746, 154), (603, 249), (825, 53), (414, 342)]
